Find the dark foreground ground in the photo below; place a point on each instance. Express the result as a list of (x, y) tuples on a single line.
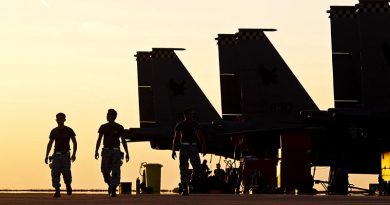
[(198, 199)]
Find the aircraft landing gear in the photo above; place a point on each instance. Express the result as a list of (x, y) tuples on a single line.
[(338, 180)]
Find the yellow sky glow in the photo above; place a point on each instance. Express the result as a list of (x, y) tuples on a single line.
[(76, 57)]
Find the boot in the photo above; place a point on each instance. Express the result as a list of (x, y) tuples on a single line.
[(185, 190), (69, 189), (57, 193), (109, 190), (113, 191)]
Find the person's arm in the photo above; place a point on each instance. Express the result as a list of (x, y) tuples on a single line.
[(124, 143), (99, 140), (175, 137), (74, 141), (49, 144)]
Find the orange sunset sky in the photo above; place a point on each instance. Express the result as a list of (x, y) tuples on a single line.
[(77, 57)]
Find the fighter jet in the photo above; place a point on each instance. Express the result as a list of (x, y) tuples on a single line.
[(268, 113), (354, 140), (261, 99)]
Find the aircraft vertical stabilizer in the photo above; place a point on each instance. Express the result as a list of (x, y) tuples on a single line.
[(145, 89), (229, 76), (361, 55), (270, 94), (346, 57), (175, 89), (375, 53), (165, 89)]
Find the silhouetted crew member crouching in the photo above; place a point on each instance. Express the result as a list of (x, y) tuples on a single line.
[(61, 159), (204, 170), (111, 153), (219, 173), (190, 135)]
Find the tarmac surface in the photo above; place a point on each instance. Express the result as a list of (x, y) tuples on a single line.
[(195, 199)]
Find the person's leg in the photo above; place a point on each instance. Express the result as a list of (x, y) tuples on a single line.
[(183, 158), (195, 162), (239, 180), (66, 173), (116, 171), (106, 168), (55, 174)]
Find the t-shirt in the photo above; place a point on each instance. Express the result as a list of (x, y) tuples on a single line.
[(111, 134), (61, 137), (187, 130)]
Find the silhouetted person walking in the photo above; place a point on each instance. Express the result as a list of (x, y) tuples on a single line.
[(61, 159), (111, 153), (190, 135)]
